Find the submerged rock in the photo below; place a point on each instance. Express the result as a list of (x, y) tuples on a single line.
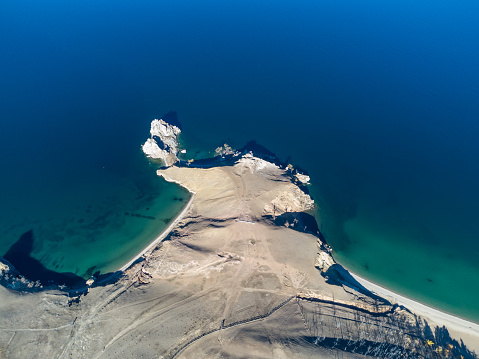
[(163, 143)]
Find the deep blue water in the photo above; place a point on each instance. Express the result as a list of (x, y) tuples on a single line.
[(376, 99)]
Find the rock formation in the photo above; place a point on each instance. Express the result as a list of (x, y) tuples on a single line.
[(163, 142), (12, 279), (228, 281)]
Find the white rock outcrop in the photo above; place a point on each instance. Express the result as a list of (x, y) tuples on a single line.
[(292, 200), (304, 179), (324, 261), (151, 149), (167, 135), (256, 164), (3, 268)]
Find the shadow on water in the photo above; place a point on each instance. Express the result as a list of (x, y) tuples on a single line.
[(172, 118), (257, 149), (300, 221), (19, 255)]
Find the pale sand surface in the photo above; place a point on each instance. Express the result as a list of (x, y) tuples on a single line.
[(458, 327), (228, 282)]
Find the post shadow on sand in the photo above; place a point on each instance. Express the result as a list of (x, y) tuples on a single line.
[(19, 255), (441, 338)]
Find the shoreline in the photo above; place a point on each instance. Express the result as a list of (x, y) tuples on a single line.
[(207, 274), (458, 328), (163, 233)]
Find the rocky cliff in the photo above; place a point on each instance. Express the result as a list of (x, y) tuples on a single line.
[(163, 142)]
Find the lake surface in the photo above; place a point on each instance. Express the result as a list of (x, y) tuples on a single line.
[(377, 100)]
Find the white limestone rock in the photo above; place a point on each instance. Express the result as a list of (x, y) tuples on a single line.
[(4, 268), (304, 179), (164, 130), (152, 150), (292, 200), (167, 135), (256, 164), (324, 261)]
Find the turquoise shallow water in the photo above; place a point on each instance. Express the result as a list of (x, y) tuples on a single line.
[(411, 230), (377, 100), (92, 224)]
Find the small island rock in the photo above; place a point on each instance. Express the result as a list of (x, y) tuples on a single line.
[(163, 143)]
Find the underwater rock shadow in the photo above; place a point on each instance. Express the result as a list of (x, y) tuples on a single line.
[(19, 255)]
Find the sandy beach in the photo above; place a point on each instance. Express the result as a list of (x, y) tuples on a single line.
[(162, 235), (238, 277), (458, 327)]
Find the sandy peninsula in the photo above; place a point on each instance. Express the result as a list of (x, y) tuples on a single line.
[(237, 275)]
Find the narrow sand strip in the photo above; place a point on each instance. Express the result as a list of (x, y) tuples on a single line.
[(163, 234), (457, 327)]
